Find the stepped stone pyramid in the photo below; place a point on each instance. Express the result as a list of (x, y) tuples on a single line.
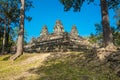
[(58, 41)]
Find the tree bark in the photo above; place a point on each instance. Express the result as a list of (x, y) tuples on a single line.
[(20, 33), (8, 36), (107, 33), (4, 38)]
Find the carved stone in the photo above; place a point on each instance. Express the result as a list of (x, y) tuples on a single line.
[(74, 32), (44, 31), (32, 40), (58, 28), (56, 41)]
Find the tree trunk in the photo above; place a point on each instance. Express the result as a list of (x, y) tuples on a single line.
[(107, 33), (8, 36), (20, 33), (4, 38)]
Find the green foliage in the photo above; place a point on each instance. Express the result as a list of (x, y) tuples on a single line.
[(15, 35), (118, 24), (92, 38), (68, 4), (11, 10), (116, 31), (97, 37), (105, 4), (113, 3), (77, 4), (10, 17), (10, 41), (117, 16), (116, 36)]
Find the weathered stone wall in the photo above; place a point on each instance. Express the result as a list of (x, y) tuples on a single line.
[(57, 41)]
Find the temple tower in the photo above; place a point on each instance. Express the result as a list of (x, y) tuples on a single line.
[(74, 31), (58, 28), (44, 31)]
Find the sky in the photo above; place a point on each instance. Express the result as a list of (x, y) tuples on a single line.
[(46, 12)]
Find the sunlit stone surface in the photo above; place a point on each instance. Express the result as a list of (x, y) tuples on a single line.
[(58, 41)]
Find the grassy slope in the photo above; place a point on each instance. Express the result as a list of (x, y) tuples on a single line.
[(58, 66), (10, 70)]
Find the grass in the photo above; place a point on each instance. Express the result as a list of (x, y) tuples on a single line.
[(58, 66), (8, 69), (70, 67)]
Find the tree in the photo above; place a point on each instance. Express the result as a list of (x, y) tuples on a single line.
[(116, 35), (25, 5), (105, 4), (97, 37), (4, 38), (93, 38), (3, 21), (9, 14), (9, 17), (117, 16), (107, 34), (20, 33), (1, 36), (21, 30)]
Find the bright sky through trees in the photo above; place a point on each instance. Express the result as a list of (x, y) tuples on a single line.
[(46, 12)]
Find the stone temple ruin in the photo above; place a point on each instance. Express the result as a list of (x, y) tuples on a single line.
[(58, 41)]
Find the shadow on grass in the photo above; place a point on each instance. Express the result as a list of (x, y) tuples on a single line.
[(6, 58), (78, 66), (61, 68), (113, 61), (74, 66)]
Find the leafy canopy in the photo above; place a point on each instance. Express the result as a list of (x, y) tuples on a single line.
[(77, 4)]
